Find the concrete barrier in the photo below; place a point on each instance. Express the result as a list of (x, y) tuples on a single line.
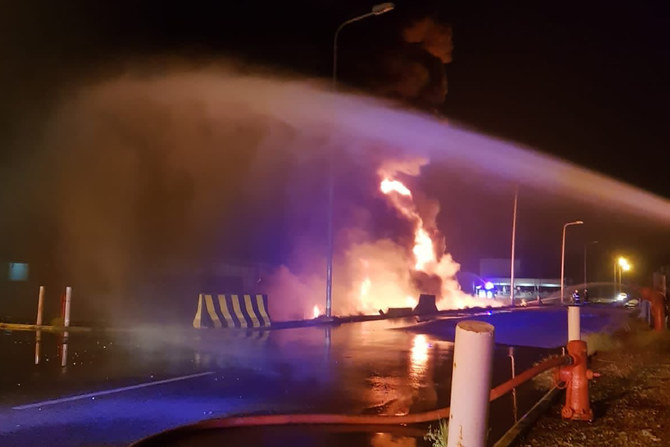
[(426, 305), (242, 310)]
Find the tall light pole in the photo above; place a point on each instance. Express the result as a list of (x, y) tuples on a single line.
[(576, 222), (585, 247), (622, 265), (511, 269), (376, 10)]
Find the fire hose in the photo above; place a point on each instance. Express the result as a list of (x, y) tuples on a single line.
[(428, 416)]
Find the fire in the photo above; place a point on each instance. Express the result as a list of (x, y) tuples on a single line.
[(423, 250), (428, 257), (316, 312), (410, 301), (388, 186)]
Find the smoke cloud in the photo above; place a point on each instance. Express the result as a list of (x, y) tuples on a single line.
[(416, 69), (148, 180)]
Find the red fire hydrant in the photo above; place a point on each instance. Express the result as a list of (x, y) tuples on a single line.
[(576, 377)]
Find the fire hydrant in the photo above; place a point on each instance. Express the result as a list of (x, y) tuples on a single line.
[(576, 377)]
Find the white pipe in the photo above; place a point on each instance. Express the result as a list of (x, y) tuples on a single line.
[(40, 306), (471, 384), (574, 329), (68, 296)]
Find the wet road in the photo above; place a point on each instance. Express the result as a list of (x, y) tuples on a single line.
[(120, 387)]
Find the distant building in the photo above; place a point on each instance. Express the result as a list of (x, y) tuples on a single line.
[(526, 288)]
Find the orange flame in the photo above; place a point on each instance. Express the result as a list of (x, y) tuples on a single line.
[(424, 252)]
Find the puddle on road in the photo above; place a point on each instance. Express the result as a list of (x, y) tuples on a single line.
[(353, 369)]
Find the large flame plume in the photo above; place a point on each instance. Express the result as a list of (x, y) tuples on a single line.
[(429, 268)]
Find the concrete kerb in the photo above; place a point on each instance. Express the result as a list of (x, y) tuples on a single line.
[(334, 321), (512, 436)]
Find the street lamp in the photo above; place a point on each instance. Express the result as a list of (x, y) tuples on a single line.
[(376, 10), (576, 222), (621, 265)]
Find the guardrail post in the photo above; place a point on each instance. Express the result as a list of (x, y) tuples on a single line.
[(574, 324), (471, 384), (40, 306)]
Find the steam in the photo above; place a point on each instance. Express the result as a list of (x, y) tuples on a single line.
[(152, 178)]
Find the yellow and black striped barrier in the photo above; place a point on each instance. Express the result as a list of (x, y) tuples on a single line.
[(232, 311)]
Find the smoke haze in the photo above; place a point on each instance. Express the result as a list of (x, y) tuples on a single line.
[(148, 179)]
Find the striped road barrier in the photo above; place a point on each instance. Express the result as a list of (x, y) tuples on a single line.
[(232, 311)]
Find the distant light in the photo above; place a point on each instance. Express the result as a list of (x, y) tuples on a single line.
[(622, 296), (489, 285), (489, 294)]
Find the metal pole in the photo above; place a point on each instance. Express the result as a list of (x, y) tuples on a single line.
[(615, 266), (329, 260), (585, 266), (511, 274), (515, 406), (40, 306), (376, 10), (563, 262), (470, 384)]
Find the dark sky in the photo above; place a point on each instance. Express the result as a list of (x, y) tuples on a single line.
[(584, 82)]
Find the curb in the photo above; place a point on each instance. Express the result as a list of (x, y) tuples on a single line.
[(524, 424)]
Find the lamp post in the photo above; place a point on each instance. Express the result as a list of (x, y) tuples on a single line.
[(585, 247), (376, 10), (621, 265), (565, 226), (511, 269)]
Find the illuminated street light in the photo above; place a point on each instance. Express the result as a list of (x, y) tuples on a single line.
[(376, 10), (576, 222), (621, 265)]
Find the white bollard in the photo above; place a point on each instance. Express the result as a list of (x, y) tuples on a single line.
[(40, 306), (471, 384), (68, 296), (574, 329)]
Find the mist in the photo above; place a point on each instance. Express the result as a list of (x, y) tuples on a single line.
[(145, 180)]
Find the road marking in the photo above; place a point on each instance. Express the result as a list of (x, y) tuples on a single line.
[(112, 391)]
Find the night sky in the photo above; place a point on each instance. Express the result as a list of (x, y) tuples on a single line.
[(584, 82)]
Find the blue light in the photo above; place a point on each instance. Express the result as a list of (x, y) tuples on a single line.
[(489, 285)]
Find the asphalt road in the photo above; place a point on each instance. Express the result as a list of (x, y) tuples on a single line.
[(122, 387)]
